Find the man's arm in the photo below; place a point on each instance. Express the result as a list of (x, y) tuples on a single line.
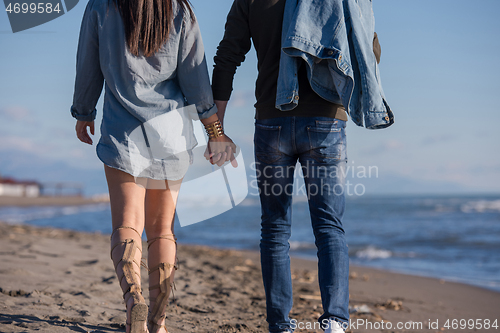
[(231, 50), (221, 110)]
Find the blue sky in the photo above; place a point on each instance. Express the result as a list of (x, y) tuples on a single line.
[(440, 68)]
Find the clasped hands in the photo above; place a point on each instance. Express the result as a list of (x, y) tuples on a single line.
[(220, 150)]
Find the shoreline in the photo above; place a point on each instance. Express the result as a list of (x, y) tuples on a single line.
[(58, 201), (311, 259), (55, 280), (6, 201)]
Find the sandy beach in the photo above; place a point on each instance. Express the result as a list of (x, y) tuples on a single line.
[(63, 281)]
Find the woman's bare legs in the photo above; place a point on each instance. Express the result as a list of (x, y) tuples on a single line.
[(127, 214), (162, 252)]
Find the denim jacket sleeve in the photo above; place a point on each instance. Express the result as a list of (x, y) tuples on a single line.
[(89, 78), (192, 69), (337, 44), (368, 101)]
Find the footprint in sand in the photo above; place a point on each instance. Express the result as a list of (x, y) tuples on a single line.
[(85, 263)]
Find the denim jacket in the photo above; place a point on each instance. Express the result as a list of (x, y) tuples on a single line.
[(337, 44)]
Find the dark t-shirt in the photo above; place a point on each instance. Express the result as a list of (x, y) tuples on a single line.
[(260, 21)]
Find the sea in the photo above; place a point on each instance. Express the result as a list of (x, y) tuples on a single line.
[(450, 237)]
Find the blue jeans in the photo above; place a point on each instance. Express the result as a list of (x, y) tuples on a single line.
[(320, 146)]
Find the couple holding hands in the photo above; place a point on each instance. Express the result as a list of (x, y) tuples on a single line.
[(149, 56)]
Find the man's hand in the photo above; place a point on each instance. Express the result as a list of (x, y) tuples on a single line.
[(220, 150), (81, 131)]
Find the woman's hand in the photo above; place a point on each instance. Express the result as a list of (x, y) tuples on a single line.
[(220, 150), (81, 131)]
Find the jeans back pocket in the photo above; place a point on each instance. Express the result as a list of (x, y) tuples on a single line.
[(327, 141), (267, 143)]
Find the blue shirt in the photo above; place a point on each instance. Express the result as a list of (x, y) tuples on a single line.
[(138, 89)]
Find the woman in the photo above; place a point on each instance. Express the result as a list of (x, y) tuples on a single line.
[(149, 56)]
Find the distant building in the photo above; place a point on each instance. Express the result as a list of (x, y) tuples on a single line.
[(12, 188)]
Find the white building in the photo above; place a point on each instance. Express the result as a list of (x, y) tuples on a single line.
[(12, 188)]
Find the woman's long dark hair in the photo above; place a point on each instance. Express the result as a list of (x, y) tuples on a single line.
[(147, 23)]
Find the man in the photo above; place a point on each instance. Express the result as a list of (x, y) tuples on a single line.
[(312, 132)]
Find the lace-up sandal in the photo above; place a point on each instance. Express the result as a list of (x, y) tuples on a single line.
[(139, 310), (165, 285)]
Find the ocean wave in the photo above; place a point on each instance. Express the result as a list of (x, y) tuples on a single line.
[(297, 246), (481, 206), (17, 215), (371, 253)]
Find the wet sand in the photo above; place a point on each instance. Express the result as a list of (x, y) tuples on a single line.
[(55, 280)]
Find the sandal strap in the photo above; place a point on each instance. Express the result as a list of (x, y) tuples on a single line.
[(131, 276), (158, 327), (162, 265), (130, 289), (126, 241), (125, 227), (161, 300), (170, 237), (157, 314), (143, 264)]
